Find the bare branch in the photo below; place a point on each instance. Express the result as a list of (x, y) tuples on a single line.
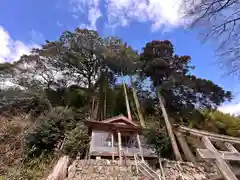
[(218, 20)]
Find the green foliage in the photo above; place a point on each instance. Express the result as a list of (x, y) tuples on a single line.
[(183, 93), (76, 141), (158, 140), (76, 96), (87, 60), (33, 170), (18, 174), (218, 122), (52, 127), (15, 101)]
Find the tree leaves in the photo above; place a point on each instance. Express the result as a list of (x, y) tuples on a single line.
[(183, 92)]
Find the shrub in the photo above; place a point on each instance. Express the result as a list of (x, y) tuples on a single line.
[(52, 127), (221, 123), (76, 141), (159, 141), (33, 170), (17, 174)]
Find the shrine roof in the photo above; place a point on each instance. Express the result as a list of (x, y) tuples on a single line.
[(120, 121)]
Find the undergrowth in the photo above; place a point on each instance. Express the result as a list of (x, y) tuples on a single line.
[(32, 170)]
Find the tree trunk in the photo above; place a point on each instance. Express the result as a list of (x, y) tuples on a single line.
[(169, 128), (102, 98), (95, 112), (93, 99), (105, 103), (140, 115), (127, 102)]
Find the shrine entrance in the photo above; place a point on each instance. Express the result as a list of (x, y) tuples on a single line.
[(221, 158)]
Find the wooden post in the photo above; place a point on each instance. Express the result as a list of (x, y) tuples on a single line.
[(119, 147), (140, 146), (161, 168), (135, 97), (221, 164), (231, 147), (169, 128), (112, 147), (184, 145), (211, 136), (226, 155), (127, 102), (91, 147)]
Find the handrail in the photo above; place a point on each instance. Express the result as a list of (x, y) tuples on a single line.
[(142, 162), (153, 174), (147, 172), (161, 169), (213, 136), (145, 166)]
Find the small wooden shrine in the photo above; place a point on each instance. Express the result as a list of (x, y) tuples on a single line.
[(117, 138)]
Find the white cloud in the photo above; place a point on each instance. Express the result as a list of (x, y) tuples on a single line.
[(233, 109), (234, 106), (89, 7), (12, 50), (160, 13)]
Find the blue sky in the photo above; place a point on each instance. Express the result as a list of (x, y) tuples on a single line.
[(25, 24)]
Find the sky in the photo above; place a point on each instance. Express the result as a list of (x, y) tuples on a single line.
[(27, 24)]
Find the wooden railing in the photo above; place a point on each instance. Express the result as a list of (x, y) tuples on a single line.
[(144, 168)]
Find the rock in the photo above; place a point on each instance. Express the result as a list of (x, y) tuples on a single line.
[(108, 163), (60, 170)]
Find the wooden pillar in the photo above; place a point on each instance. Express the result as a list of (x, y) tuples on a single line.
[(120, 147), (112, 146), (221, 164), (91, 145), (231, 147), (127, 102), (169, 128), (184, 145), (140, 146)]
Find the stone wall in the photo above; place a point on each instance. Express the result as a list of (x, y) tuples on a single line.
[(110, 170), (190, 171), (101, 170)]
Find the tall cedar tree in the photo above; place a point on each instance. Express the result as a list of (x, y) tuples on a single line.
[(183, 92), (170, 76)]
